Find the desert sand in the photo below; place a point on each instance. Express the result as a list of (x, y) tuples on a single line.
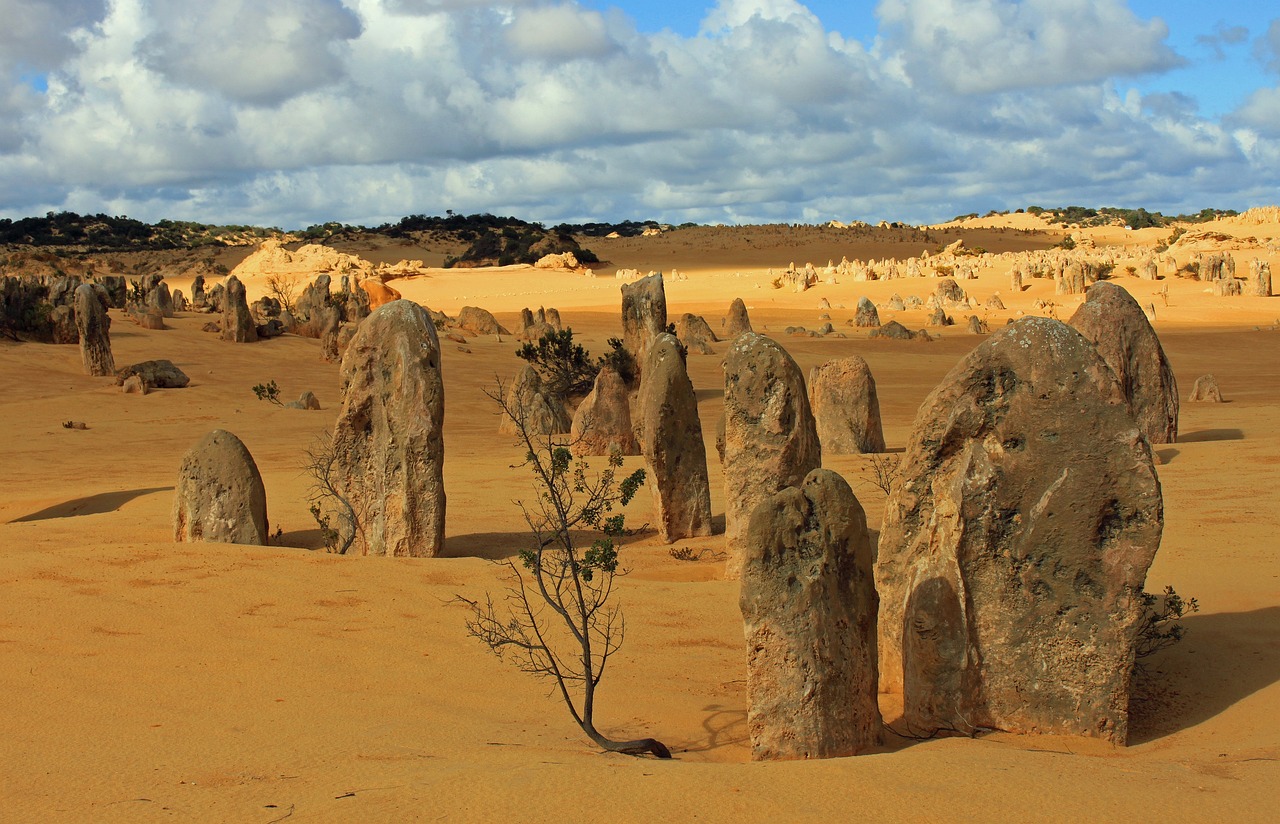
[(145, 680)]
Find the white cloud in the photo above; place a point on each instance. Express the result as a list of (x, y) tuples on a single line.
[(250, 51), (979, 46), (302, 111), (559, 32)]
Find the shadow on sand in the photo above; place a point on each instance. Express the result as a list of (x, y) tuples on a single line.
[(1224, 658), (90, 505), (1205, 435)]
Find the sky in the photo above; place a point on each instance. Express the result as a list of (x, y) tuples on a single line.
[(297, 112)]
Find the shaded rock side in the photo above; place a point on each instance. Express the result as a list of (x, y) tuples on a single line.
[(671, 441), (867, 316), (158, 374), (479, 321), (695, 333), (1116, 324), (220, 496), (1014, 542), (543, 413), (644, 315), (602, 422), (1205, 390), (388, 437), (846, 409), (809, 616), (737, 321), (237, 321), (93, 325), (770, 439)]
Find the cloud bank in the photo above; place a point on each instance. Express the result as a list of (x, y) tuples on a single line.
[(301, 111)]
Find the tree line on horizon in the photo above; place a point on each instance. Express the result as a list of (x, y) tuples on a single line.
[(490, 236)]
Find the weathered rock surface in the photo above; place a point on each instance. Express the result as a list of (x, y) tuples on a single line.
[(93, 326), (842, 395), (237, 321), (378, 293), (644, 315), (307, 400), (1116, 324), (159, 374), (695, 333), (1014, 541), (602, 422), (866, 316), (543, 413), (328, 321), (388, 437), (220, 497), (737, 321), (770, 439), (1205, 390), (62, 325), (894, 331), (1259, 278), (809, 612), (671, 441), (479, 321)]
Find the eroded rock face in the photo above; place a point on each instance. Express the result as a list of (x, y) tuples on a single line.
[(1205, 390), (644, 315), (1021, 526), (1259, 278), (602, 422), (737, 321), (544, 413), (842, 395), (479, 321), (695, 333), (388, 437), (1117, 326), (809, 612), (237, 320), (93, 326), (770, 439), (158, 374), (220, 497), (671, 440), (866, 316)]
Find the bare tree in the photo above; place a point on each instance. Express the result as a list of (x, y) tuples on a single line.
[(882, 469), (283, 288), (328, 502), (557, 621)]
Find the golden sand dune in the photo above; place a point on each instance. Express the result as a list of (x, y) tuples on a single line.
[(151, 681)]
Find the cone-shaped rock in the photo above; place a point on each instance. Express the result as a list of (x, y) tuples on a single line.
[(644, 315), (237, 321), (1014, 543), (220, 497), (388, 438), (842, 395), (737, 321), (94, 327), (1116, 324), (770, 440), (809, 612), (671, 440), (602, 422), (543, 413), (867, 315), (695, 333)]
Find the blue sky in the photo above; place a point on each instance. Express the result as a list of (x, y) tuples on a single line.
[(302, 111)]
